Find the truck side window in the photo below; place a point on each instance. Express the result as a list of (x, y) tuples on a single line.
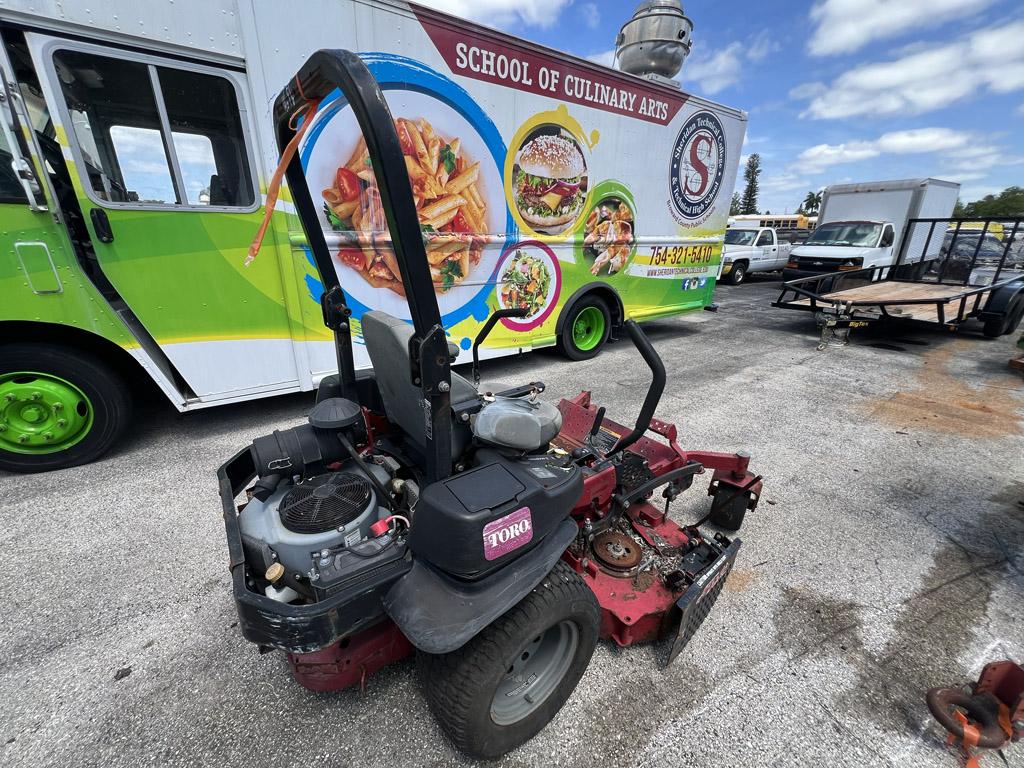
[(207, 131), (10, 187), (155, 135), (765, 238)]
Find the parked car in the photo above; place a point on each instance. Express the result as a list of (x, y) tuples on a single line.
[(970, 256)]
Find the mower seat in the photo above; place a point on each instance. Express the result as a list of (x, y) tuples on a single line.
[(516, 423), (387, 342)]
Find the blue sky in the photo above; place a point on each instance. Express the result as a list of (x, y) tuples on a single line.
[(836, 90)]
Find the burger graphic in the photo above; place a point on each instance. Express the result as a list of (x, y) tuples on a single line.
[(550, 182)]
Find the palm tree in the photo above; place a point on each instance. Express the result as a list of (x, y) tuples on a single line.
[(812, 202)]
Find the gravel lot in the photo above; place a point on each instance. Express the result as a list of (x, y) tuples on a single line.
[(886, 558)]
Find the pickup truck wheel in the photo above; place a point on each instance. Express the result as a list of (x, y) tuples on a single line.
[(585, 329), (59, 407), (507, 683), (737, 274)]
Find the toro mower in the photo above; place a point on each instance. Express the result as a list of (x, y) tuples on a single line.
[(492, 533)]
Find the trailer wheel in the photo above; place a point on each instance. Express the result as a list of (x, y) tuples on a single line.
[(737, 274), (1007, 322), (59, 407), (507, 683), (586, 328)]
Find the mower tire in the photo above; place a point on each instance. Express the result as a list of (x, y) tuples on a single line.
[(507, 683), (59, 407), (587, 325)]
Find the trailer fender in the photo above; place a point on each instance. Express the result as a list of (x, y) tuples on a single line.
[(1001, 299), (439, 614)]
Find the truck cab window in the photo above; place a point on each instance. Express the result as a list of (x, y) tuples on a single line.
[(765, 238), (155, 135)]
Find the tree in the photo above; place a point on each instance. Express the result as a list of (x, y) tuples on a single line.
[(1009, 202), (812, 202), (751, 174), (736, 207)]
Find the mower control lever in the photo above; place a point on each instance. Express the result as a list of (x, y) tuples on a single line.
[(497, 315), (650, 356)]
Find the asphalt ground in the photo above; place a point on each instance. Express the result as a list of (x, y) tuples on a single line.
[(886, 557)]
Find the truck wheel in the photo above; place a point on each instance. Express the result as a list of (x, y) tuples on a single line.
[(737, 274), (507, 683), (585, 329), (59, 407)]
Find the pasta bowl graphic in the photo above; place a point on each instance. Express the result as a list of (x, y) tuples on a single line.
[(456, 182)]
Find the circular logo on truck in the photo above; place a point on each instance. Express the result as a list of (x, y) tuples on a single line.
[(698, 165)]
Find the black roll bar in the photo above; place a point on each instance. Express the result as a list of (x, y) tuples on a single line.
[(650, 356), (324, 71)]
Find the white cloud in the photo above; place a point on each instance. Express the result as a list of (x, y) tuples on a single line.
[(807, 91), (717, 71), (989, 59), (499, 13), (844, 26), (784, 182), (915, 141), (605, 58), (591, 15), (763, 45), (970, 194)]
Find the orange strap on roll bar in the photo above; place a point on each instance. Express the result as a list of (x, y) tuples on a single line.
[(274, 187)]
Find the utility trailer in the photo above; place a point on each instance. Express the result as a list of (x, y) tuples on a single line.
[(977, 271)]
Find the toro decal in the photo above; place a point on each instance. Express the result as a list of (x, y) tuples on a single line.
[(698, 165), (507, 533)]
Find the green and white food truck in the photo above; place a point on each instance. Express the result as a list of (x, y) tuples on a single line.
[(137, 148)]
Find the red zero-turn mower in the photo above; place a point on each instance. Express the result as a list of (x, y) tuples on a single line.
[(497, 535)]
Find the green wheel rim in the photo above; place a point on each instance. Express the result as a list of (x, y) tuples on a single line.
[(588, 328), (41, 413)]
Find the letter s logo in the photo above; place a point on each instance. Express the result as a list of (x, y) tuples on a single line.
[(700, 170)]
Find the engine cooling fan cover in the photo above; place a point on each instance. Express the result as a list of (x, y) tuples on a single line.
[(324, 502)]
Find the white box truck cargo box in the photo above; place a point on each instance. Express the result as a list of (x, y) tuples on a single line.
[(895, 202)]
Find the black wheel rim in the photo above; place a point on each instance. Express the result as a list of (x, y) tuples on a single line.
[(534, 673)]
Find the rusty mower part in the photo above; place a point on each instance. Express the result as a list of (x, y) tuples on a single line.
[(616, 551)]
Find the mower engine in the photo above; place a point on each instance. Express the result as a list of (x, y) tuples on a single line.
[(320, 514)]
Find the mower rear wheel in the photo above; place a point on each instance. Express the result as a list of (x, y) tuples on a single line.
[(508, 682)]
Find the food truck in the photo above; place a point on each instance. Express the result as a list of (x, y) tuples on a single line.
[(138, 152)]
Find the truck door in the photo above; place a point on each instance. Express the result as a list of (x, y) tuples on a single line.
[(765, 249), (162, 161)]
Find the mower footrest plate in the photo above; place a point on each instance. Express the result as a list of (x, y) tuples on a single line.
[(700, 597)]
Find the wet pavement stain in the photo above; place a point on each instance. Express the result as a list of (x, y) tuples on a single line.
[(943, 402), (622, 721), (809, 623), (930, 635)]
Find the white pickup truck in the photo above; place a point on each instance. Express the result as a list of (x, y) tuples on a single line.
[(746, 250)]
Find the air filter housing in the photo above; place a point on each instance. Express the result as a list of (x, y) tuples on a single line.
[(300, 519)]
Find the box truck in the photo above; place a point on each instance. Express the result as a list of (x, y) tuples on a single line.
[(860, 225), (137, 148)]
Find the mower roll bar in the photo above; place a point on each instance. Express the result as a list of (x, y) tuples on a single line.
[(497, 315), (650, 356), (325, 71)]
